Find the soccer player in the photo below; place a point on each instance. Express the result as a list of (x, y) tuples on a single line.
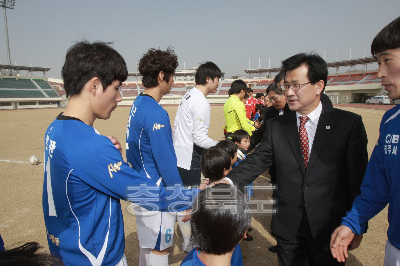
[(250, 103), (381, 185), (150, 151), (192, 122), (85, 175)]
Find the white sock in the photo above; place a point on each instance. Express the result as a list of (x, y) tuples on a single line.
[(185, 230), (158, 260), (144, 256)]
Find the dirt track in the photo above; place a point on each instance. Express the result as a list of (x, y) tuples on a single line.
[(21, 219)]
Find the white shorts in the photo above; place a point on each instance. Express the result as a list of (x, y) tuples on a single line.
[(149, 224), (122, 261), (392, 255)]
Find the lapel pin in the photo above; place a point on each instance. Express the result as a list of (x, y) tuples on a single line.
[(328, 127)]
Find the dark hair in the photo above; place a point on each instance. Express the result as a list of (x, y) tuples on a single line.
[(260, 107), (207, 70), (213, 162), (279, 77), (26, 255), (274, 87), (85, 61), (317, 69), (246, 96), (220, 219), (259, 95), (155, 61), (249, 90), (237, 86), (228, 146), (388, 38), (238, 135)]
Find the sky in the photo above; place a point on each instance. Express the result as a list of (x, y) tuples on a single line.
[(227, 32)]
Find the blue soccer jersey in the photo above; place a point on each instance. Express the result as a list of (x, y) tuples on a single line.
[(85, 177), (149, 146), (192, 258), (381, 185)]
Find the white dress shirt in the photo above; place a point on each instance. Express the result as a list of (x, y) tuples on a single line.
[(311, 125)]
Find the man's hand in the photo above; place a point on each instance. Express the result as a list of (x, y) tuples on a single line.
[(341, 239), (116, 143), (188, 215), (205, 184)]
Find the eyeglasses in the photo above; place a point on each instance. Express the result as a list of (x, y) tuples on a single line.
[(273, 99), (295, 87)]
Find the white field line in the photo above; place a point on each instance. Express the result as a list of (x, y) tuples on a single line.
[(10, 161)]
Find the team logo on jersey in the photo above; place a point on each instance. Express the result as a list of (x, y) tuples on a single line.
[(391, 144), (50, 145), (113, 168), (53, 239), (199, 119), (157, 126)]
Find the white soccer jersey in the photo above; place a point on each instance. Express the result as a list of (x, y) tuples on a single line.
[(191, 127)]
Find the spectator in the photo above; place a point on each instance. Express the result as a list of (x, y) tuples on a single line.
[(234, 110), (218, 240)]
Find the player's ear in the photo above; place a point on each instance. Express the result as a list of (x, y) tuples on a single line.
[(94, 84), (160, 77)]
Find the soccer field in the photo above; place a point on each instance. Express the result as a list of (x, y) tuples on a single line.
[(21, 219)]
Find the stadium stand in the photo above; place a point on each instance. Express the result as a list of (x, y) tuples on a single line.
[(26, 88), (26, 92), (32, 92), (346, 79)]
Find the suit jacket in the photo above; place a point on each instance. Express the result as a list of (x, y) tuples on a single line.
[(269, 113), (257, 136), (327, 188)]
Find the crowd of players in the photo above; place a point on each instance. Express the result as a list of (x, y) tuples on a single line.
[(317, 156)]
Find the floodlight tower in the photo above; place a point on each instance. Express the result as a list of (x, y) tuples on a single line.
[(7, 4)]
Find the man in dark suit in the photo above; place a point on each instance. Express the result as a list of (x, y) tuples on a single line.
[(279, 107), (320, 155), (279, 103)]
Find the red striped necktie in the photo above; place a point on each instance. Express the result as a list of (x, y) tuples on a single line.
[(305, 145)]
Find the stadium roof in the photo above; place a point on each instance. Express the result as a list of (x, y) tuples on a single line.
[(352, 62), (135, 74), (262, 70), (27, 68), (190, 72)]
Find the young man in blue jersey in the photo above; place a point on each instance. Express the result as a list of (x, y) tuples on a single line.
[(149, 150), (381, 185), (85, 175)]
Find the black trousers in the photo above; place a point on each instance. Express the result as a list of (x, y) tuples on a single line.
[(302, 250), (190, 177)]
